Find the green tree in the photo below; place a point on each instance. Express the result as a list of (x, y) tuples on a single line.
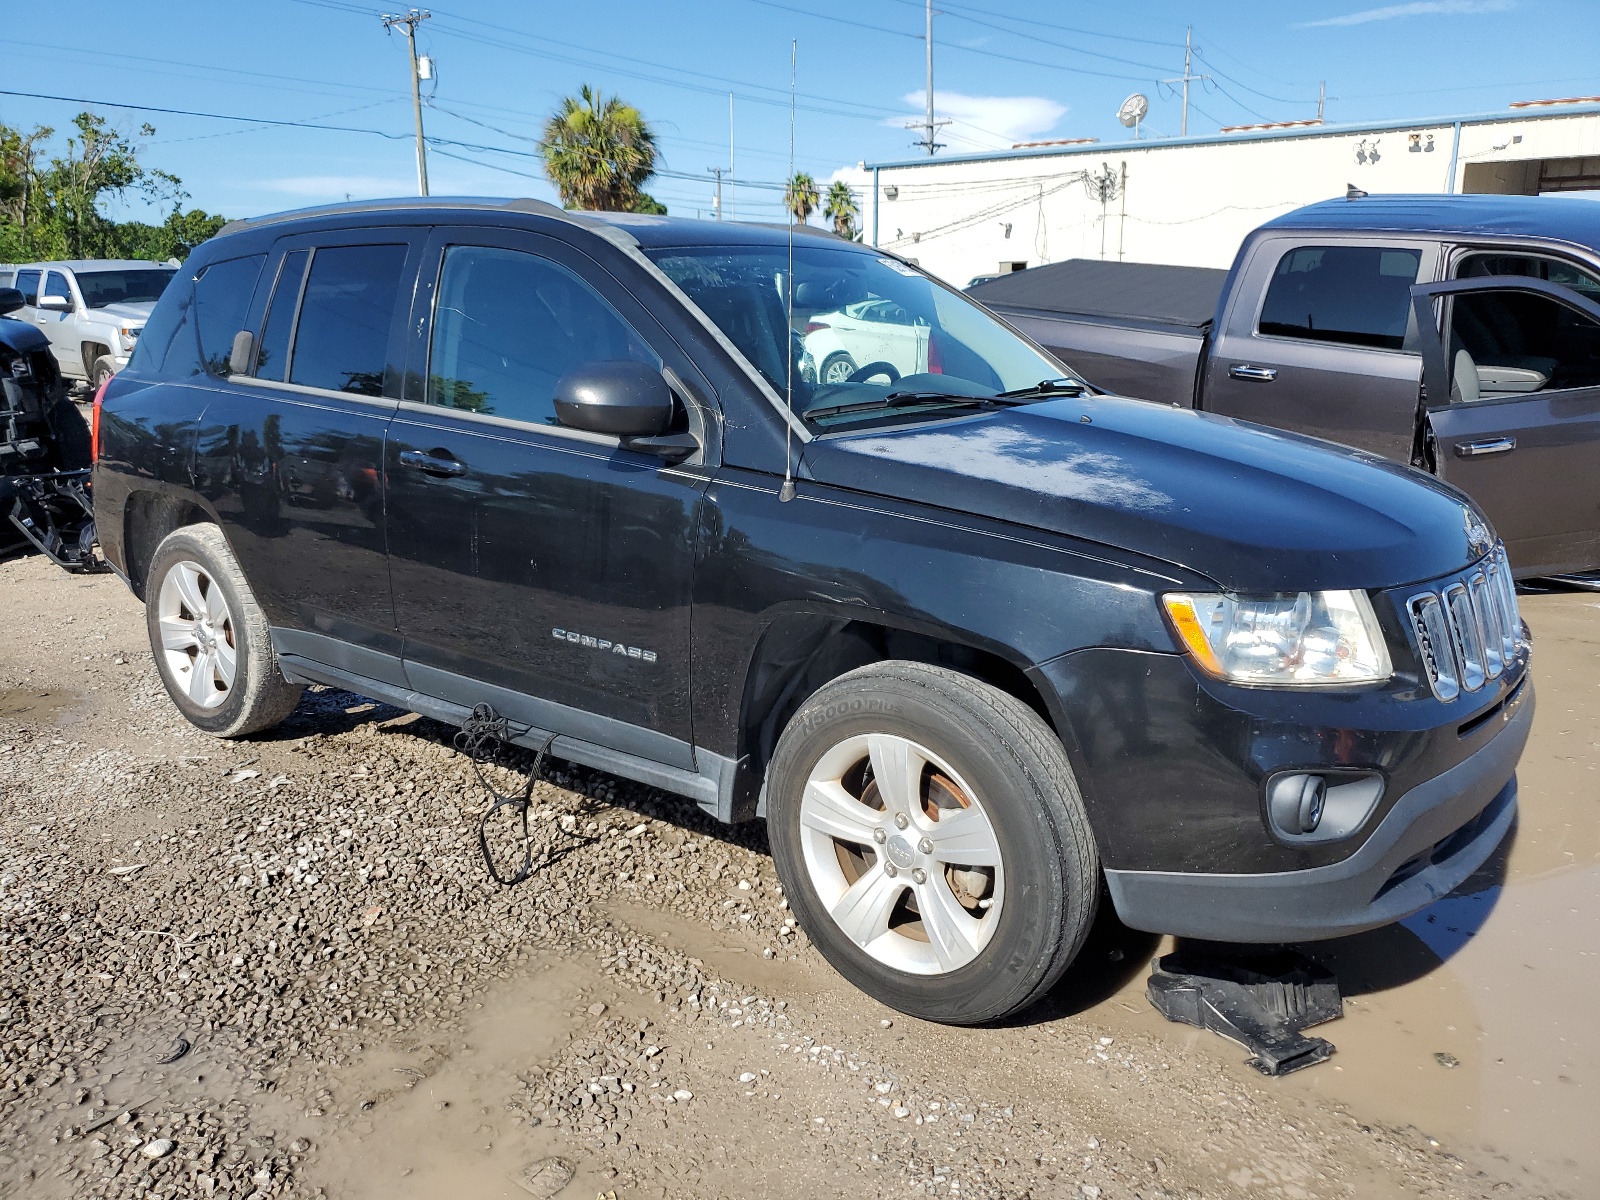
[(599, 151), (50, 207), (841, 208), (800, 197)]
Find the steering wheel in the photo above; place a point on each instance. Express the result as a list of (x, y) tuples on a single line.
[(862, 374)]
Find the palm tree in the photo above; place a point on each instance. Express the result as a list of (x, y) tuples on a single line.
[(800, 197), (841, 208), (599, 151)]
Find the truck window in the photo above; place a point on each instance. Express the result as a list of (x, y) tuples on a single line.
[(341, 340), (1354, 295), (132, 286), (1531, 266), (1506, 343), (28, 284), (55, 284), (221, 299), (507, 325)]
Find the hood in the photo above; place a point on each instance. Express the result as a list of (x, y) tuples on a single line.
[(132, 313), (1255, 509), (21, 337)]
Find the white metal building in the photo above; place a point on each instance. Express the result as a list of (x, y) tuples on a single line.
[(1191, 200)]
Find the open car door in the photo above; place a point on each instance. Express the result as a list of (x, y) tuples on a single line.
[(1510, 412)]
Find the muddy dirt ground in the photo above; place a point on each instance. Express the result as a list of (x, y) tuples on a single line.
[(277, 968)]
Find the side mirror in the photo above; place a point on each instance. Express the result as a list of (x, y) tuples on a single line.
[(55, 303), (10, 300), (625, 399)]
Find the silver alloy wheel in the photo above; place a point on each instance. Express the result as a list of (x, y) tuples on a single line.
[(901, 854), (197, 634), (838, 370)]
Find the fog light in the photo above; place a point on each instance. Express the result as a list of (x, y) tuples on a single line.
[(1296, 803)]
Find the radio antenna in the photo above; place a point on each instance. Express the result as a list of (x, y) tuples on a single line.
[(786, 492)]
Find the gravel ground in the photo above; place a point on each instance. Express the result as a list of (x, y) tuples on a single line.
[(277, 968)]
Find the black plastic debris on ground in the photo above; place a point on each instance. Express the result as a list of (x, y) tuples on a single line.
[(1260, 1002)]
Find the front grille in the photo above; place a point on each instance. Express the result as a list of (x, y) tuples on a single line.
[(1467, 627)]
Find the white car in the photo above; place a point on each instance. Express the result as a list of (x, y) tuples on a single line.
[(862, 334), (92, 310)]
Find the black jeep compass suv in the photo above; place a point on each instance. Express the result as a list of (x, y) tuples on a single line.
[(969, 635)]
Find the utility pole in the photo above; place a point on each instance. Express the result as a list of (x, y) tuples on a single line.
[(1187, 78), (1322, 98), (730, 156), (929, 126), (410, 22), (717, 203)]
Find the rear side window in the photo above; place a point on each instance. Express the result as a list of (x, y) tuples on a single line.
[(221, 300), (341, 340), (508, 325), (1355, 295), (28, 284)]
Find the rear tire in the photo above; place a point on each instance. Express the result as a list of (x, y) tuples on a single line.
[(994, 845), (836, 368), (210, 638)]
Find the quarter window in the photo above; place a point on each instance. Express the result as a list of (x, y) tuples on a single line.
[(221, 300), (1355, 295), (509, 324)]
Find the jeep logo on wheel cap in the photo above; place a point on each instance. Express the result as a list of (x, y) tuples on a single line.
[(900, 852)]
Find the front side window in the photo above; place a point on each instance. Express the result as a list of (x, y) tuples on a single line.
[(1532, 266), (28, 284), (136, 285), (55, 284), (221, 300), (1508, 343), (507, 325), (856, 334), (341, 339), (1353, 295)]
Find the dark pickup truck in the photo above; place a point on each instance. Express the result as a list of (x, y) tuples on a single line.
[(969, 637), (1458, 334)]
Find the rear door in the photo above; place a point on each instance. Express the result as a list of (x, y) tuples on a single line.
[(291, 454), (1319, 338), (1513, 412), (537, 568)]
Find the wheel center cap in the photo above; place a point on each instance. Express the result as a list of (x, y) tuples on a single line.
[(900, 852)]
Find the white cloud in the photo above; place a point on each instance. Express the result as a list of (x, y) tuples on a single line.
[(986, 122), (1418, 8)]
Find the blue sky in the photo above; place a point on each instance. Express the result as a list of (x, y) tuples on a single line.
[(1005, 70)]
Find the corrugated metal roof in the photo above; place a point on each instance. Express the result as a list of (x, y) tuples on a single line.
[(1266, 135)]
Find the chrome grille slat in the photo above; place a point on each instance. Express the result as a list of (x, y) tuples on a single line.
[(1468, 627)]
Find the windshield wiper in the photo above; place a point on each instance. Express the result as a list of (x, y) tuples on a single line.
[(1047, 387), (901, 400)]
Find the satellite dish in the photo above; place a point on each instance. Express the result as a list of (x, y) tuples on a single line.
[(1133, 110)]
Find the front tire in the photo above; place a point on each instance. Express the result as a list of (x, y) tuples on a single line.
[(930, 837), (837, 368), (104, 369), (211, 642)]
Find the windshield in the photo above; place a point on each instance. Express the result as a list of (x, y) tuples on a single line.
[(867, 332), (101, 288)]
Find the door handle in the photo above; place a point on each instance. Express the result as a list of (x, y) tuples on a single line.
[(1252, 373), (433, 462), (1497, 445)]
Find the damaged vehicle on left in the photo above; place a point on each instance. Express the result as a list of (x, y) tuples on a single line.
[(46, 448)]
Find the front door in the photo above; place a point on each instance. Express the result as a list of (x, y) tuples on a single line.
[(60, 325), (1329, 350), (291, 454), (535, 568), (1513, 396)]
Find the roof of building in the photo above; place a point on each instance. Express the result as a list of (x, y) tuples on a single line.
[(1563, 218), (1129, 291), (1529, 111)]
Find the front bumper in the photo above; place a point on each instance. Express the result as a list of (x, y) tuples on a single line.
[(1432, 838)]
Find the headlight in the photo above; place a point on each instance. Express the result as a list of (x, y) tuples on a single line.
[(131, 332), (1305, 639)]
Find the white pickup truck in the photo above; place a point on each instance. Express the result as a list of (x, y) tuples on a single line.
[(92, 310)]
